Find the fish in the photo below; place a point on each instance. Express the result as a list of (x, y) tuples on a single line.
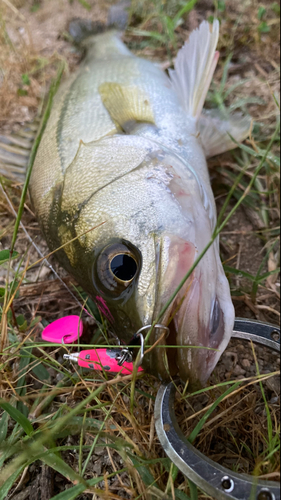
[(121, 180)]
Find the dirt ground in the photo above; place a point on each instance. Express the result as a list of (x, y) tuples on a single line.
[(33, 41)]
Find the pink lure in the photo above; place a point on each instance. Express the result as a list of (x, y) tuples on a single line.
[(64, 330), (101, 359), (67, 330)]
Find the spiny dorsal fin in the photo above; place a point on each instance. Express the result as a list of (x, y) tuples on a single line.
[(126, 104), (215, 128), (194, 67)]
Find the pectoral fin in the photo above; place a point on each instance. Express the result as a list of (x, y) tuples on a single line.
[(215, 131), (126, 105)]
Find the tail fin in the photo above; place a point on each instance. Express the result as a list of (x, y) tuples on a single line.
[(80, 29), (194, 67), (118, 15)]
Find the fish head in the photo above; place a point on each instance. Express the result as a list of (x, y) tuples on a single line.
[(153, 219)]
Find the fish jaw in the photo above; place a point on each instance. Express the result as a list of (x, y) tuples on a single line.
[(200, 316), (204, 322), (173, 258)]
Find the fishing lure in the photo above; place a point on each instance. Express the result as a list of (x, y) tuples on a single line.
[(68, 329)]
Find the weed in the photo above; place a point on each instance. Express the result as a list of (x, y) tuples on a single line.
[(170, 19), (84, 3)]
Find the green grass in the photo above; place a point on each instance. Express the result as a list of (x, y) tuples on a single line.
[(50, 411), (170, 19)]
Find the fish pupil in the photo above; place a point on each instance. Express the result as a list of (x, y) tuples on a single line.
[(216, 316), (124, 267)]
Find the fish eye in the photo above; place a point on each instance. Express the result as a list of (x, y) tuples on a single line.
[(124, 267), (117, 266)]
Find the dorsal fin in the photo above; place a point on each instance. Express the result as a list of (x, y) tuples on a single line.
[(194, 67)]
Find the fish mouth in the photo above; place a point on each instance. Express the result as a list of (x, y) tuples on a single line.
[(202, 334), (200, 324)]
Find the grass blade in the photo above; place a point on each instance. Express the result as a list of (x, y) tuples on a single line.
[(184, 10), (5, 488), (259, 277), (34, 149), (3, 426), (59, 465), (70, 494), (85, 4), (202, 421), (25, 357), (5, 256), (193, 490), (18, 417), (180, 495)]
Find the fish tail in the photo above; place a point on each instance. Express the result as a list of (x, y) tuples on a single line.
[(118, 15), (80, 29), (102, 40)]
